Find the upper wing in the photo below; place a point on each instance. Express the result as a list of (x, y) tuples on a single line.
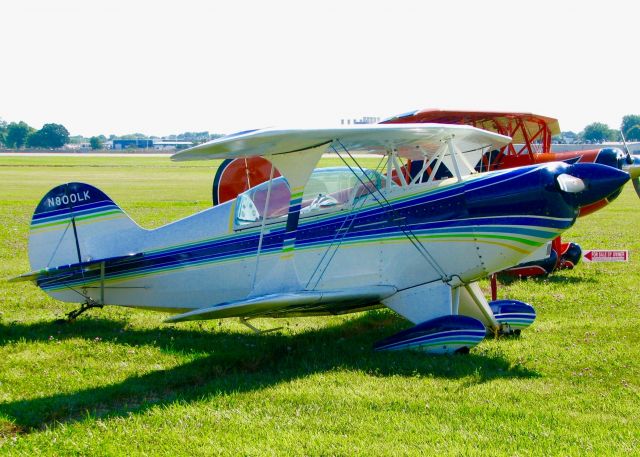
[(410, 140), (291, 303)]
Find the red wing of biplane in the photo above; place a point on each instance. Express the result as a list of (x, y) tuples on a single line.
[(531, 132)]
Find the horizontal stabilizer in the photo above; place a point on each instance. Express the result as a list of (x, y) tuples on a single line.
[(74, 267), (274, 304)]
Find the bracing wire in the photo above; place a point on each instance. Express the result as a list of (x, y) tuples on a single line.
[(394, 215)]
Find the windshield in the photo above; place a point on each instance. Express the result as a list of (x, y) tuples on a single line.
[(328, 189), (251, 204)]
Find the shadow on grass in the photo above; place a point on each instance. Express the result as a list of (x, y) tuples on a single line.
[(233, 362)]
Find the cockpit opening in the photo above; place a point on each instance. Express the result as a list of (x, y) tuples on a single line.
[(328, 190)]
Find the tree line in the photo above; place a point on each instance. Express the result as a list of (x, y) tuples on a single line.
[(17, 135), (598, 132)]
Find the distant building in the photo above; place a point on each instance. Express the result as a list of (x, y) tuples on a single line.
[(362, 120), (144, 143), (132, 144), (171, 144)]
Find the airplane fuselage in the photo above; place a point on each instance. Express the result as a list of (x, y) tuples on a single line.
[(468, 230)]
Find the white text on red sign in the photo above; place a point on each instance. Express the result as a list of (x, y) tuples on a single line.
[(597, 255)]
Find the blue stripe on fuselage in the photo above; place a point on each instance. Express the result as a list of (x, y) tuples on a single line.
[(416, 211)]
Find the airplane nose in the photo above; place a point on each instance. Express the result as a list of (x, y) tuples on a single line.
[(586, 183), (614, 157)]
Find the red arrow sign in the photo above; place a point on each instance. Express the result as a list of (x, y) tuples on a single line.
[(601, 255)]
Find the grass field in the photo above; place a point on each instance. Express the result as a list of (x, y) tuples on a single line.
[(118, 381)]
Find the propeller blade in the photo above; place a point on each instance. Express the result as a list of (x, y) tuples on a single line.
[(633, 165), (634, 172), (626, 148), (636, 185)]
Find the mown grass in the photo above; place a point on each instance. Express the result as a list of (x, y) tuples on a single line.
[(118, 381)]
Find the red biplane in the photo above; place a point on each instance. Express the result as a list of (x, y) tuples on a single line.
[(531, 134)]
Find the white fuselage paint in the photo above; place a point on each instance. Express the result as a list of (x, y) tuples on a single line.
[(378, 262)]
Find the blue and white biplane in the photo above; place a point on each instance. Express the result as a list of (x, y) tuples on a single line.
[(326, 241)]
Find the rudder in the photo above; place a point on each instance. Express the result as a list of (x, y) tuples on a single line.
[(76, 222)]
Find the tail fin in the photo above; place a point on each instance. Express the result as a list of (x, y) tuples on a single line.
[(76, 223)]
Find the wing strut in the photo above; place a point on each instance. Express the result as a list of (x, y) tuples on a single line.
[(457, 156), (333, 247), (394, 215), (264, 221)]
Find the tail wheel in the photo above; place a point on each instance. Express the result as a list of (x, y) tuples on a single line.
[(571, 255)]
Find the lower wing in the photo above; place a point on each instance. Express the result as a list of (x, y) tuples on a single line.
[(293, 303)]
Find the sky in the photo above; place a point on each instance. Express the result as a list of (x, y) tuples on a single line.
[(166, 67)]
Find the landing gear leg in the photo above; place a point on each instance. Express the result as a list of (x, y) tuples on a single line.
[(257, 331), (494, 286), (86, 306)]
